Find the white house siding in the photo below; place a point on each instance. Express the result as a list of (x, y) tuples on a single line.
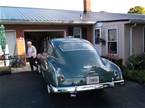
[(11, 42), (127, 43), (137, 47), (120, 31), (137, 40)]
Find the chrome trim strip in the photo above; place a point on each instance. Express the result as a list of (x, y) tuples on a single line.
[(76, 89), (119, 81)]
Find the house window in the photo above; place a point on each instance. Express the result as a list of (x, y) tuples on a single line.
[(77, 32), (97, 36), (112, 41)]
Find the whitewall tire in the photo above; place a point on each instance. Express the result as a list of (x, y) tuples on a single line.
[(48, 89)]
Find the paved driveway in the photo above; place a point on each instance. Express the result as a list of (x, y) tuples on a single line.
[(28, 90)]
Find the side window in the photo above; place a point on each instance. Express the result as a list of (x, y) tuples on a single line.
[(50, 50)]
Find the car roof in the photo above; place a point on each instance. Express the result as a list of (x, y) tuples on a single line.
[(67, 39)]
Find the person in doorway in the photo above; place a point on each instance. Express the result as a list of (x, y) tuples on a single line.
[(32, 55)]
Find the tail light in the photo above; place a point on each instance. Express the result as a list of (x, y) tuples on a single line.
[(116, 74), (61, 78), (60, 75)]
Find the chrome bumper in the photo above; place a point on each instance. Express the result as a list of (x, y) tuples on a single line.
[(75, 89)]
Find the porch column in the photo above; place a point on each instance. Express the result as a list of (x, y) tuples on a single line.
[(90, 34), (20, 42)]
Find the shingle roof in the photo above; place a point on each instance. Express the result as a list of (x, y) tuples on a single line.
[(37, 15), (105, 16)]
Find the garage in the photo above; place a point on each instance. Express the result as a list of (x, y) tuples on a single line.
[(40, 38), (40, 25), (11, 46)]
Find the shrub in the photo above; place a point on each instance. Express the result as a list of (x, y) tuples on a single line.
[(5, 70), (136, 62), (135, 75)]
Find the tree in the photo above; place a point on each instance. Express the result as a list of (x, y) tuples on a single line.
[(137, 10), (3, 40)]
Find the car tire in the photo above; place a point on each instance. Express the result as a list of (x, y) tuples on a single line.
[(50, 92)]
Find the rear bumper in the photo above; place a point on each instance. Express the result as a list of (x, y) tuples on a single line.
[(75, 89)]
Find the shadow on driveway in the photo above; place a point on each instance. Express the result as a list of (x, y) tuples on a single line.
[(28, 90)]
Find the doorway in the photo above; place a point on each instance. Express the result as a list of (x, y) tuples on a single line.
[(40, 38)]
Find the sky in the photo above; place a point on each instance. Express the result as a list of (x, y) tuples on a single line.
[(114, 6)]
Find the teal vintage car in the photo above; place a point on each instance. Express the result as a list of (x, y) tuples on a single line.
[(73, 65)]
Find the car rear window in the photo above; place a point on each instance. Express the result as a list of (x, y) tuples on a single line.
[(73, 46)]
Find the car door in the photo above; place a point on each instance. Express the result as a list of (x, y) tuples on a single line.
[(50, 76)]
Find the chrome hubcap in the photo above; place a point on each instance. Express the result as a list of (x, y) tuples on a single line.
[(48, 89)]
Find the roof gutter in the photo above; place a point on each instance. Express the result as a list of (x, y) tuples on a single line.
[(48, 22), (119, 20), (126, 21)]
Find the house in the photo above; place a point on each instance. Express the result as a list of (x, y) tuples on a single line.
[(123, 34), (120, 35)]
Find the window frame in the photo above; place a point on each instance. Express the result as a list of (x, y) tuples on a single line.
[(112, 28), (52, 53), (95, 35), (80, 32)]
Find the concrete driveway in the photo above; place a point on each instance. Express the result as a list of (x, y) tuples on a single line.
[(28, 90)]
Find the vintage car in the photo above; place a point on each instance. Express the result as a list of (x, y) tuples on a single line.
[(73, 65)]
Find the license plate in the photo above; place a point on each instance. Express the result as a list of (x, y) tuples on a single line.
[(92, 80)]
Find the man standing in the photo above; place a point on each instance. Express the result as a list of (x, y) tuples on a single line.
[(32, 54)]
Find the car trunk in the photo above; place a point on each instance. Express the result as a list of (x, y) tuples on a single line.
[(79, 69)]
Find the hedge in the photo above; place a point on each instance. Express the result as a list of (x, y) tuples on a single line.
[(135, 75)]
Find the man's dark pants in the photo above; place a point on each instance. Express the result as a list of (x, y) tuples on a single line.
[(32, 62)]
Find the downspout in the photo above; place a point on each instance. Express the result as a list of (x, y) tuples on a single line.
[(131, 38)]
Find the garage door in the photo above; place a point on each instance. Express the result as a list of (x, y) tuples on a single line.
[(11, 42)]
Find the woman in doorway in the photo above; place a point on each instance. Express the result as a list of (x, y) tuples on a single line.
[(32, 55)]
